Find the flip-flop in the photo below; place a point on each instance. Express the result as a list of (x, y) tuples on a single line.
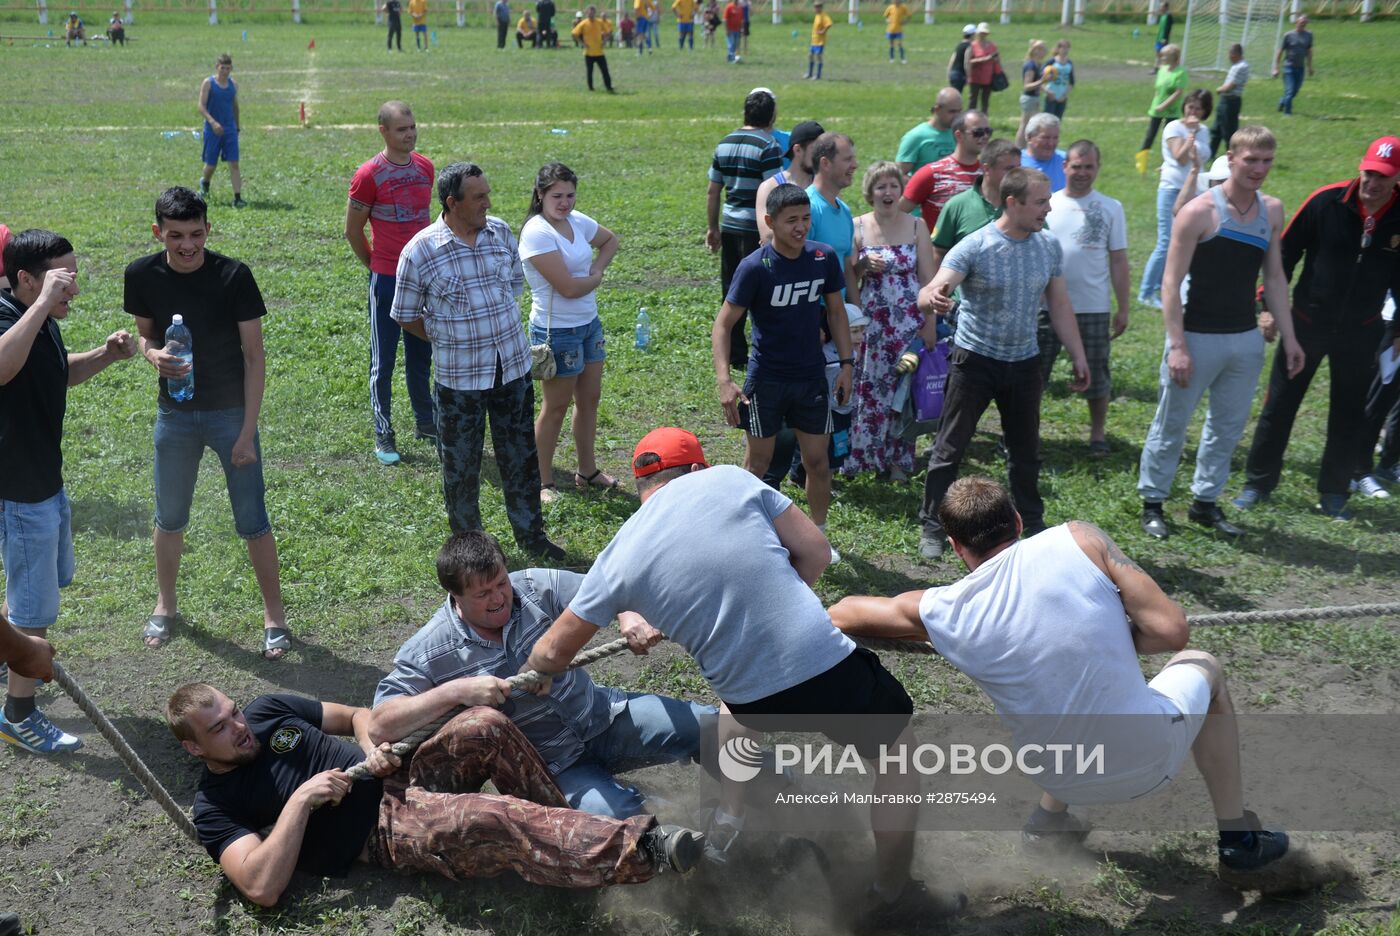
[(159, 628), (275, 639)]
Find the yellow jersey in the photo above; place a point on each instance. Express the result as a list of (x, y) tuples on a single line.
[(684, 10), (820, 24), (592, 31), (896, 14), (525, 27), (418, 11)]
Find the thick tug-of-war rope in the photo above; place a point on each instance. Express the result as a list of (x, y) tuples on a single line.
[(409, 743)]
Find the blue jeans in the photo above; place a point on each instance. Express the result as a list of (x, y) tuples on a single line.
[(384, 335), (651, 729), (180, 439), (36, 546), (731, 42), (574, 348), (1157, 263), (1292, 82)]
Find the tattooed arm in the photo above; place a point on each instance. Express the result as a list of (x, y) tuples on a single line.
[(1158, 623)]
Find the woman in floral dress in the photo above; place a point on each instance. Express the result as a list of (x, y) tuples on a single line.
[(894, 259)]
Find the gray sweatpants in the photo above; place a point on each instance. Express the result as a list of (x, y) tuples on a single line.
[(1228, 367)]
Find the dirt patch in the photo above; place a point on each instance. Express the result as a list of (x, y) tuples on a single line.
[(83, 850)]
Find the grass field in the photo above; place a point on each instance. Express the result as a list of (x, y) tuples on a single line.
[(82, 152)]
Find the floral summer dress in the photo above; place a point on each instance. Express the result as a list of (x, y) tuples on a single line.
[(890, 299)]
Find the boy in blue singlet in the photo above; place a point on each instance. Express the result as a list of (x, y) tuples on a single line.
[(218, 103), (787, 288)]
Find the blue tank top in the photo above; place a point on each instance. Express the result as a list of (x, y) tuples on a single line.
[(1225, 270), (220, 104)]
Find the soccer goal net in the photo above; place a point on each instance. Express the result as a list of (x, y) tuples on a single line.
[(1212, 26)]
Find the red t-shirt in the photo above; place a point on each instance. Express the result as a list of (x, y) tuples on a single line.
[(733, 18), (932, 186), (981, 73), (4, 239), (400, 202)]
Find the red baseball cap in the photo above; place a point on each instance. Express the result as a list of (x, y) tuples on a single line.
[(1382, 156), (675, 447)]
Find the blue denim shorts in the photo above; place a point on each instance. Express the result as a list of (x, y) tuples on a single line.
[(573, 347), (180, 439), (36, 543)]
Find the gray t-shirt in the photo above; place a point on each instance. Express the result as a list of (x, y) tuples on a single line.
[(1295, 48), (1237, 77), (702, 562), (1001, 294)]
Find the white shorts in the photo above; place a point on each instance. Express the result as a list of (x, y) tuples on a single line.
[(1183, 695)]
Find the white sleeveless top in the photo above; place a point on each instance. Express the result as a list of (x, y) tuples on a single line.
[(1042, 630)]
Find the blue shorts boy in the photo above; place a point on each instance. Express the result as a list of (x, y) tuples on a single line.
[(818, 49), (686, 28), (217, 145), (36, 545), (893, 36), (420, 28), (180, 439), (574, 348)]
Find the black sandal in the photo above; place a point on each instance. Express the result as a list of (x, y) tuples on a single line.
[(591, 481)]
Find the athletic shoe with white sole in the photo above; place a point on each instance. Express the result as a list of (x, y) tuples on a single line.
[(673, 848), (37, 735), (1370, 486)]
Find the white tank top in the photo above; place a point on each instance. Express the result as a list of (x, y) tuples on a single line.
[(1042, 630)]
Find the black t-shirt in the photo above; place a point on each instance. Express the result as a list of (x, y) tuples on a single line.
[(231, 805), (544, 12), (32, 405), (393, 8), (213, 299), (960, 56)]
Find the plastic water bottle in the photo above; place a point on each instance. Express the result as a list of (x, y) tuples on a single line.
[(643, 330), (559, 131), (178, 343)]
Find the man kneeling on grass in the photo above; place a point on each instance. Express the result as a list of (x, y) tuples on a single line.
[(1052, 626), (278, 764)]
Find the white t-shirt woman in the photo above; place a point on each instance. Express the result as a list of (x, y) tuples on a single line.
[(537, 238), (557, 247), (1174, 170)]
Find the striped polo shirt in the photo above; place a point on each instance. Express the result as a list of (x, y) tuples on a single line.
[(742, 161), (446, 648)]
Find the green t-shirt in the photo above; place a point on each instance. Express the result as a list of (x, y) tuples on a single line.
[(1164, 29), (1169, 80), (965, 213), (925, 144)]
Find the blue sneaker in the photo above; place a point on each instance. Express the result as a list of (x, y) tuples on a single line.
[(37, 735), (386, 451), (1334, 506), (1249, 498)]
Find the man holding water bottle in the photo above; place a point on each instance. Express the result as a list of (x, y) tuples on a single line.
[(221, 306), (36, 536)]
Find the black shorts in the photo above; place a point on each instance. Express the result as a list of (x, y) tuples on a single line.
[(874, 707), (799, 404)]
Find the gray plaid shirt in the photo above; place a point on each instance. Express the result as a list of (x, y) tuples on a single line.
[(466, 297), (446, 648)]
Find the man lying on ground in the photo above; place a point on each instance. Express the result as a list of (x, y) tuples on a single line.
[(484, 632), (278, 764), (1053, 625)]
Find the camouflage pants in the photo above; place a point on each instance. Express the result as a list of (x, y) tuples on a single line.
[(462, 434), (433, 819)]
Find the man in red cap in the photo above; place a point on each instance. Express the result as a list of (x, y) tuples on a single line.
[(1347, 235), (723, 565)]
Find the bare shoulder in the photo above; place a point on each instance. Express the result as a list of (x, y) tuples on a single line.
[(1274, 206), (1099, 546)]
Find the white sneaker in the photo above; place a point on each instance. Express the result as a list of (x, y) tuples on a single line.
[(1371, 486), (835, 556)]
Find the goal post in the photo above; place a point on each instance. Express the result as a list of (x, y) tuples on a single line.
[(1212, 26)]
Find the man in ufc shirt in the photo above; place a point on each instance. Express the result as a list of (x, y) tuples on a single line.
[(790, 288)]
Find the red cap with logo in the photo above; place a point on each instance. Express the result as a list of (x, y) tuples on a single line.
[(1382, 156), (674, 447)]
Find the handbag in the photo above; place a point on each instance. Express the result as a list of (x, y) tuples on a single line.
[(543, 366), (930, 381), (999, 79)]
